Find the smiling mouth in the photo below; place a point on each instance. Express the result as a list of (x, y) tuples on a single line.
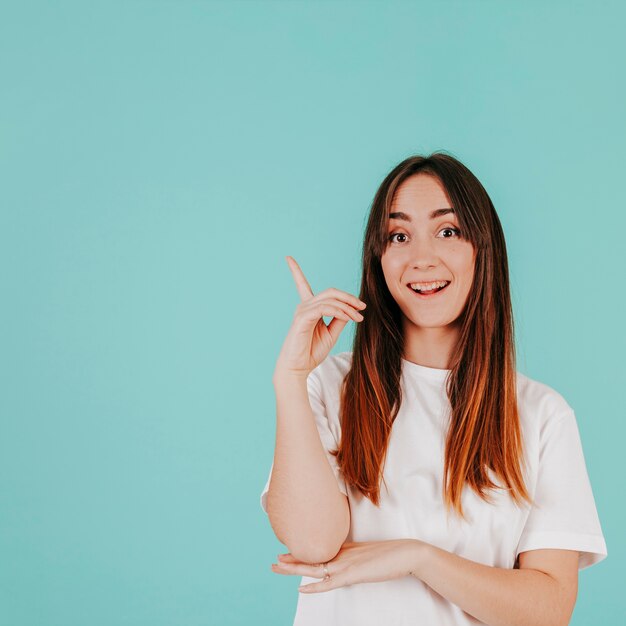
[(428, 294)]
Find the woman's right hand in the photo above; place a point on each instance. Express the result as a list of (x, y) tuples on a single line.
[(309, 340)]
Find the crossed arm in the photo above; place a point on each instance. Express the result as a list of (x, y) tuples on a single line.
[(541, 592)]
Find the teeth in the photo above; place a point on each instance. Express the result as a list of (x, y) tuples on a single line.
[(428, 286)]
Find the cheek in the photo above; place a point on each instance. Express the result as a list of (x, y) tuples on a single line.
[(390, 271), (465, 268)]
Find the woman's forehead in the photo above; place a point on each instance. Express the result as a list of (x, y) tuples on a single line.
[(419, 196)]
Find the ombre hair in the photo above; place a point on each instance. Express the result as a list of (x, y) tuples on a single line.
[(484, 432)]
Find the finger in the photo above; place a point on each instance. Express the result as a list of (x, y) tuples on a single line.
[(328, 306), (345, 296), (299, 569), (313, 312), (324, 585), (302, 284)]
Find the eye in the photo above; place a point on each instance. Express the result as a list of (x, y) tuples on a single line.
[(390, 238), (455, 230), (456, 233)]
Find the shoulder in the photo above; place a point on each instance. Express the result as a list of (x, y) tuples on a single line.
[(539, 404), (337, 364), (329, 374), (333, 367)]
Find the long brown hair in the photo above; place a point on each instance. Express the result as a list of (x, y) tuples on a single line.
[(484, 429)]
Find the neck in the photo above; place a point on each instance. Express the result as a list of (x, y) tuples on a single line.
[(430, 347)]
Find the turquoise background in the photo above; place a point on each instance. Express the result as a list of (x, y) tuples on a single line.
[(158, 162)]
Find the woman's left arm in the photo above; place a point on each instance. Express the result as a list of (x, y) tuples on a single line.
[(542, 592)]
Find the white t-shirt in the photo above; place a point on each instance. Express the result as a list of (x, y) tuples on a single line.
[(411, 506)]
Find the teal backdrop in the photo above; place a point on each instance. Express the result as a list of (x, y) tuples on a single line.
[(158, 161)]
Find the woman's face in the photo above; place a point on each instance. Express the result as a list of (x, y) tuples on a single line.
[(423, 248)]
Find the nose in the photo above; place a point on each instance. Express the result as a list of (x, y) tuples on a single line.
[(423, 253)]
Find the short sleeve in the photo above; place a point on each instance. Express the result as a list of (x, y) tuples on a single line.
[(564, 514), (265, 490), (325, 429)]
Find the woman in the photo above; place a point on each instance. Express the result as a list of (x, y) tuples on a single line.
[(485, 513)]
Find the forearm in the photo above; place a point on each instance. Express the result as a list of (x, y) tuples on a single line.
[(495, 596), (306, 509)]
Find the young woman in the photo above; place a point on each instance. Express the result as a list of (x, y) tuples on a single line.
[(420, 479)]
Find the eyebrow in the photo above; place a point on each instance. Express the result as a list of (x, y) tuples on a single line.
[(399, 215)]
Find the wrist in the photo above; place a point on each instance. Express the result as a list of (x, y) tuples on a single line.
[(286, 377), (419, 555)]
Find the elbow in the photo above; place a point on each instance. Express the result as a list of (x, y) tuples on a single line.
[(565, 617), (311, 548), (311, 543), (314, 550), (307, 550), (313, 553), (319, 549), (564, 606)]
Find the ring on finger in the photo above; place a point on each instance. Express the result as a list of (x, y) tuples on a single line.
[(326, 574)]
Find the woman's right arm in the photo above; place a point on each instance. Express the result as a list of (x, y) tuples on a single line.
[(305, 507), (307, 511)]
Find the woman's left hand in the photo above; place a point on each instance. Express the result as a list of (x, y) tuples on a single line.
[(358, 562)]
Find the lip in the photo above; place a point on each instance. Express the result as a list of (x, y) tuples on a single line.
[(428, 297)]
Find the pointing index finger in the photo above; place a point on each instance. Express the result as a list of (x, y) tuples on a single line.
[(304, 289)]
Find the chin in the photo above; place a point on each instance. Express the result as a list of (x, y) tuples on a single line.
[(429, 323)]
